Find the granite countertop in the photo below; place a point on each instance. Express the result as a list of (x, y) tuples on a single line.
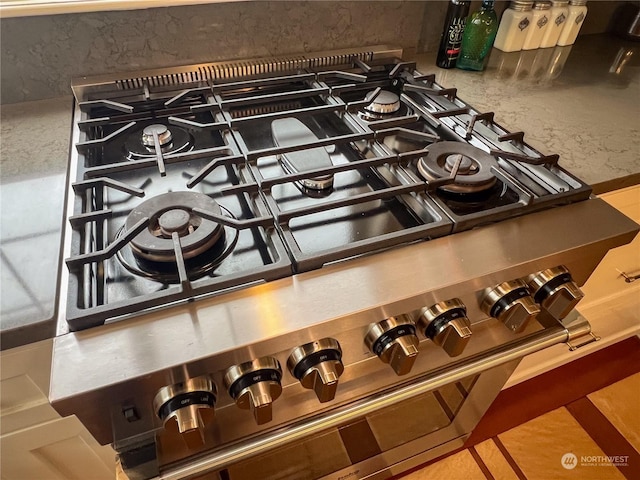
[(581, 102), (34, 151)]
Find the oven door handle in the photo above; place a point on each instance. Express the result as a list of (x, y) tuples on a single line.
[(474, 365)]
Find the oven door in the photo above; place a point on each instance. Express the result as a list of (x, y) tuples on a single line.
[(384, 434)]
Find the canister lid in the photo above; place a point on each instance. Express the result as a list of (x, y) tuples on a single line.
[(560, 3), (542, 5), (578, 2), (520, 5)]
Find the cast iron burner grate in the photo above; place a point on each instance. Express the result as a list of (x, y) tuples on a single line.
[(167, 228), (372, 121)]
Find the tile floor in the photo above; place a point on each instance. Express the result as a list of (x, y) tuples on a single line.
[(565, 443)]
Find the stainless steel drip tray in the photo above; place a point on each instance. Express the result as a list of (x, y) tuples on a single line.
[(365, 208)]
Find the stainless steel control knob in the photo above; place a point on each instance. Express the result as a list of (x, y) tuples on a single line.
[(186, 403), (318, 365), (555, 291), (447, 325), (255, 386), (394, 340), (511, 303)]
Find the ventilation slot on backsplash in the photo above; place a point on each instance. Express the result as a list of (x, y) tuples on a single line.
[(171, 79), (335, 60), (226, 71), (231, 70)]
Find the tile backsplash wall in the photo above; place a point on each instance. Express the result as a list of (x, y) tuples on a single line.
[(41, 54)]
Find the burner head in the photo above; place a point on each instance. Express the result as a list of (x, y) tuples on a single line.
[(173, 212), (139, 145), (384, 104), (163, 133), (474, 173), (466, 167)]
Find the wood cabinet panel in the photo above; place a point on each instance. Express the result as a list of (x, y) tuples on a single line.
[(24, 384), (607, 282), (59, 449), (36, 443)]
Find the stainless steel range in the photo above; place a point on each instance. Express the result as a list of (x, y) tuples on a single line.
[(323, 266)]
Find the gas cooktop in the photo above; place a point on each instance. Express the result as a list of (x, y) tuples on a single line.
[(195, 182)]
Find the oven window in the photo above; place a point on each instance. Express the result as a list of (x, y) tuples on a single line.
[(419, 416), (307, 460), (360, 440)]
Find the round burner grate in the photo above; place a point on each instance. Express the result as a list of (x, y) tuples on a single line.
[(173, 212), (205, 243), (474, 172)]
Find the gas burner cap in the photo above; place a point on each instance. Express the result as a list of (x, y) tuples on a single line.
[(139, 144), (176, 220), (474, 172), (173, 212), (164, 135), (466, 164), (385, 103)]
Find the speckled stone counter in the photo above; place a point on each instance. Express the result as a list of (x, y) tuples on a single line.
[(581, 102), (34, 153)]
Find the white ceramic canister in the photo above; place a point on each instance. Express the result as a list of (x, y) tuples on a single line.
[(514, 26), (558, 17), (575, 19), (540, 17)]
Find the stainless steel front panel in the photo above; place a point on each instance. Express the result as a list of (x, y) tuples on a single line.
[(481, 377), (140, 356)]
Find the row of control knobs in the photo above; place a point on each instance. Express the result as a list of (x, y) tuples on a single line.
[(253, 385), (514, 303), (318, 365)]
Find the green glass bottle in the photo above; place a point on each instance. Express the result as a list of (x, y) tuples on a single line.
[(478, 37)]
